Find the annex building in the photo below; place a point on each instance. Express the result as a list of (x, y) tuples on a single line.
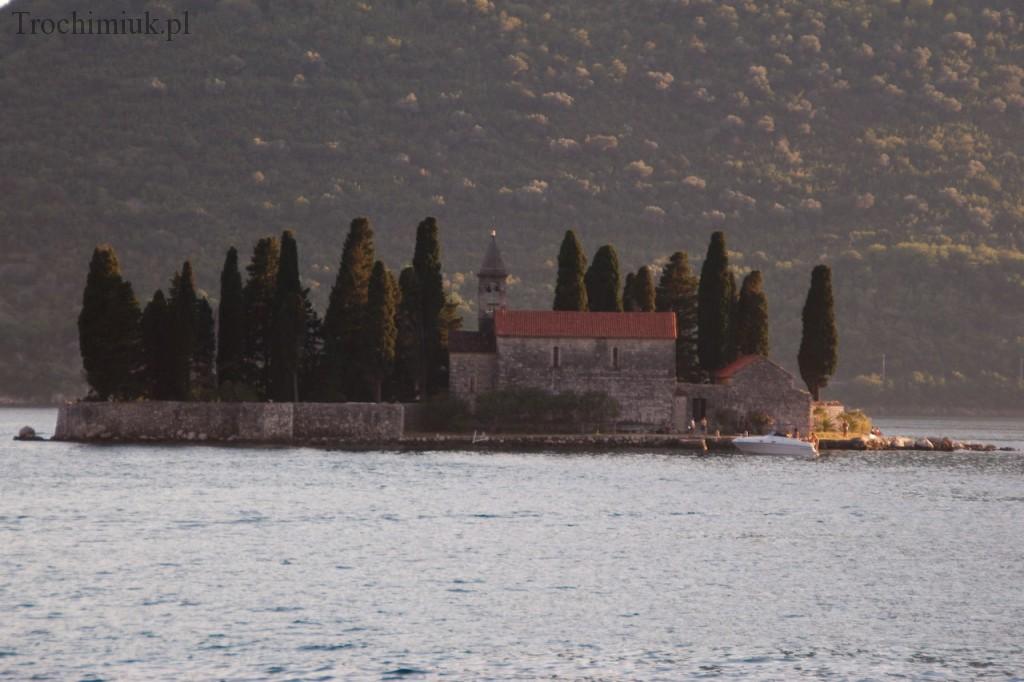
[(629, 356)]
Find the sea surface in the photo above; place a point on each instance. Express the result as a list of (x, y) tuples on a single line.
[(197, 563)]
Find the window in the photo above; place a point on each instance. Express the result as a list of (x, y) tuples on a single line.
[(615, 358), (472, 384), (556, 357)]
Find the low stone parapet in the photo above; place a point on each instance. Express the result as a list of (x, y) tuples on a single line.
[(167, 421)]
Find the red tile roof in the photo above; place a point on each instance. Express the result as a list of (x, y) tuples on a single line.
[(735, 366), (564, 323)]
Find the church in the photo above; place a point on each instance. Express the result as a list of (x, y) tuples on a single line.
[(629, 356)]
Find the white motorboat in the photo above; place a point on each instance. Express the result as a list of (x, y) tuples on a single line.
[(775, 445)]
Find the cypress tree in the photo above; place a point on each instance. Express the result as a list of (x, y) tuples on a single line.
[(643, 290), (604, 286), (714, 303), (230, 322), (819, 343), (109, 335), (731, 346), (345, 320), (628, 300), (677, 292), (182, 308), (311, 384), (426, 262), (409, 345), (204, 381), (752, 317), (158, 353), (570, 290), (288, 325), (381, 332), (257, 314)]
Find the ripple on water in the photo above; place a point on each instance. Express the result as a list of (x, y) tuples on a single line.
[(380, 565)]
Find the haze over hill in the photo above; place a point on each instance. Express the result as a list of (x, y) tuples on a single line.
[(883, 138)]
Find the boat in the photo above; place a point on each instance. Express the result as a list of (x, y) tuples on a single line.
[(776, 445)]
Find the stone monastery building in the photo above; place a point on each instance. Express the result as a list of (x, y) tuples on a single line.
[(629, 356)]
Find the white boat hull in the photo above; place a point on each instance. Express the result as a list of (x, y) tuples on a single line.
[(775, 445)]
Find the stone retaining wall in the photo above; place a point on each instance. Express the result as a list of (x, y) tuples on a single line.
[(227, 422)]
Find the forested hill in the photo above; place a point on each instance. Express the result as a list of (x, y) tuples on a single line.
[(883, 137)]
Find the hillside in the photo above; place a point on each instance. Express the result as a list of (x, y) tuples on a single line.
[(882, 137)]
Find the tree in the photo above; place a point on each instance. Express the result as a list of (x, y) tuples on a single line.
[(604, 287), (311, 383), (819, 343), (288, 324), (258, 304), (381, 332), (157, 351), (751, 328), (409, 344), (628, 302), (345, 320), (570, 290), (204, 380), (732, 295), (182, 307), (230, 322), (714, 301), (108, 330), (427, 263), (643, 290), (677, 292)]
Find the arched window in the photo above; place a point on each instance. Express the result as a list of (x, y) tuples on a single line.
[(615, 357), (556, 357)]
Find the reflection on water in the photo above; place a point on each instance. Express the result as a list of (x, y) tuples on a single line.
[(231, 563)]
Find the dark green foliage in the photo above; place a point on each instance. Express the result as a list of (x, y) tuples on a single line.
[(204, 380), (409, 345), (230, 322), (677, 292), (731, 347), (258, 300), (445, 413), (157, 349), (183, 306), (311, 376), (643, 290), (714, 306), (288, 325), (345, 320), (628, 302), (108, 330), (604, 286), (570, 290), (378, 356), (751, 329), (427, 263), (819, 344), (536, 410)]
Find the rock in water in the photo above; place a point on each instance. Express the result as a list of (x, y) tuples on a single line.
[(923, 444), (27, 433)]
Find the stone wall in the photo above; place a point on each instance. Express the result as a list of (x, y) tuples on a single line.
[(769, 389), (759, 388), (642, 381), (226, 422), (471, 374)]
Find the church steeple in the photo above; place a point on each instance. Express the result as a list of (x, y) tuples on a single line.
[(492, 285)]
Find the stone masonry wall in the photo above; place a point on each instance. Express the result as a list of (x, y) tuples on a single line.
[(643, 383), (471, 374), (767, 388), (225, 422)]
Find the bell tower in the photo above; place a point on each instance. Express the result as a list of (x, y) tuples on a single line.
[(492, 286)]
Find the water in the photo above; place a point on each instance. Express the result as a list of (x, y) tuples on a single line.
[(249, 564)]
